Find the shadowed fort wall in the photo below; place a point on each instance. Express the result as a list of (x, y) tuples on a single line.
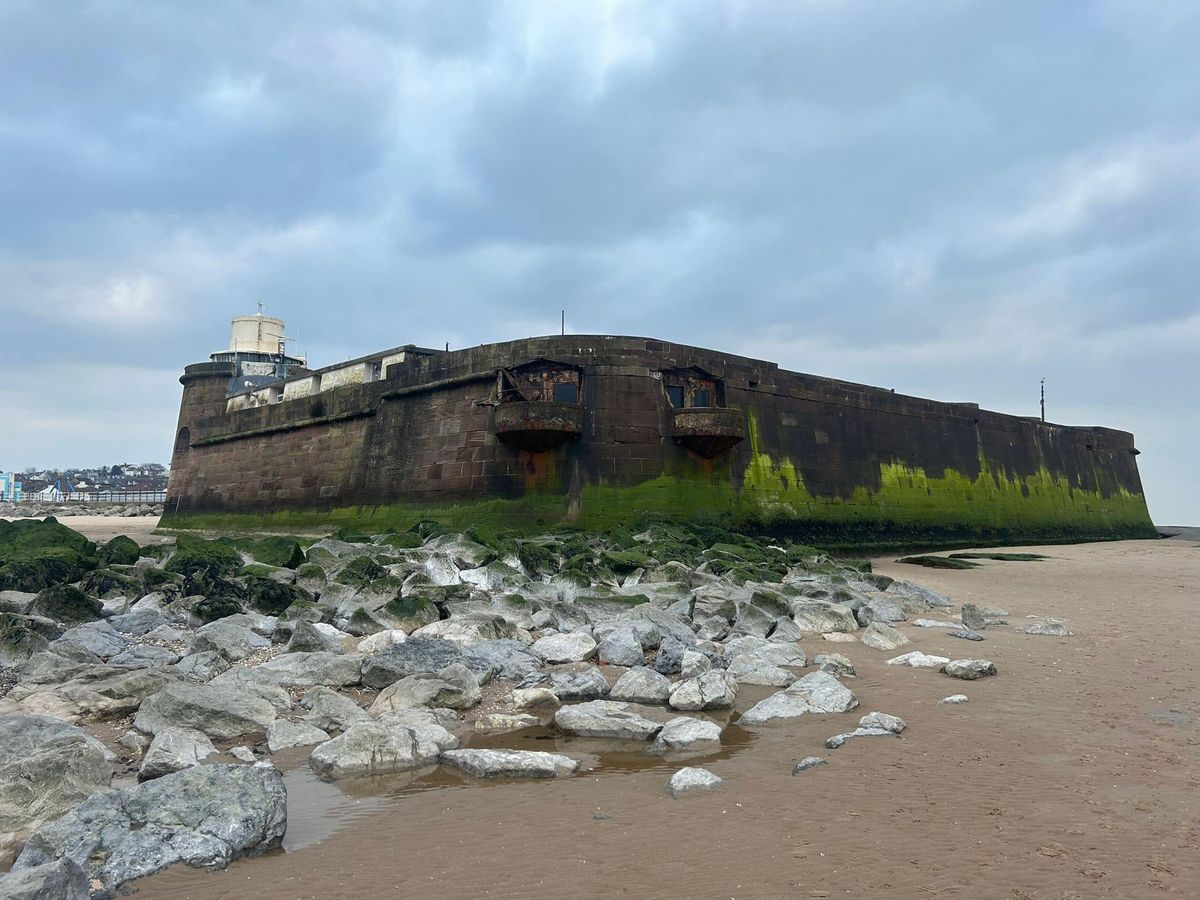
[(831, 460)]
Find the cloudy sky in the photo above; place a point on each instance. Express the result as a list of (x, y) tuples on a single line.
[(954, 199)]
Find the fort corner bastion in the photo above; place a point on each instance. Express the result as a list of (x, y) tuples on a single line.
[(600, 430)]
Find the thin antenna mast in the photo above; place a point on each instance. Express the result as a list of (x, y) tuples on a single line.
[(564, 322), (1043, 399)]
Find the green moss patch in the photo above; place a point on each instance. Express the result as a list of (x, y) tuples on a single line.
[(938, 562)]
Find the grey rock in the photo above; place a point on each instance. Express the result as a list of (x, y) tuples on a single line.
[(641, 685), (918, 660), (99, 638), (433, 728), (172, 750), (693, 664), (817, 617), (935, 623), (501, 723), (809, 762), (510, 763), (203, 666), (750, 669), (139, 622), (306, 639), (528, 698), (1051, 629), (410, 658), (835, 664), (780, 705), (242, 754), (692, 778), (965, 634), (284, 735), (304, 670), (712, 628), (894, 724), (955, 699), (621, 648), (60, 879), (824, 693), (912, 591), (46, 767), (605, 719), (232, 640), (220, 713), (372, 748), (969, 669), (101, 692), (565, 648), (205, 816), (839, 740), (570, 686), (686, 733), (881, 636), (880, 608), (712, 690), (669, 660), (141, 656), (786, 631), (753, 621), (994, 612), (468, 631), (506, 657), (330, 711), (972, 618), (455, 687)]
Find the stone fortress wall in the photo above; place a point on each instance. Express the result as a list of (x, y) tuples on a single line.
[(598, 430)]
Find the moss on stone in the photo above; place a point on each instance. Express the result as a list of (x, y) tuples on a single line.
[(120, 551)]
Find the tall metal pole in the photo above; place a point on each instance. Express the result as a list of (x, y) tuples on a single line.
[(1043, 399), (564, 322)]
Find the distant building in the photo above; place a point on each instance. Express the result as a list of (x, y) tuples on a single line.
[(10, 488)]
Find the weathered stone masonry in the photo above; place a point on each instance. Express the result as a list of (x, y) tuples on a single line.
[(597, 430)]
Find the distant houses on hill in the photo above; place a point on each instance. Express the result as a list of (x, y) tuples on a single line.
[(123, 483)]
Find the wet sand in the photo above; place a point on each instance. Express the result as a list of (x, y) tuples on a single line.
[(105, 528), (1072, 774)]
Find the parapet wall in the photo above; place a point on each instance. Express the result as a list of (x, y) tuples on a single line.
[(763, 446)]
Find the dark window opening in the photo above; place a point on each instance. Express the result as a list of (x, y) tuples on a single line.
[(183, 440), (675, 395), (702, 397), (566, 392)]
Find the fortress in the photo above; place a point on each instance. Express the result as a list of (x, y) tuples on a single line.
[(598, 430)]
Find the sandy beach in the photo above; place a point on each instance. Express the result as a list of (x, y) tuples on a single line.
[(1072, 774)]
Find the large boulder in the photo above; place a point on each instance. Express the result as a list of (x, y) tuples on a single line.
[(331, 711), (218, 712), (505, 657), (206, 816), (64, 603), (881, 608), (20, 638), (881, 636), (409, 658), (686, 733), (621, 648), (57, 880), (304, 670), (99, 638), (565, 648), (284, 735), (46, 767), (641, 684), (372, 748), (468, 631), (917, 660), (96, 693), (605, 719), (824, 693), (780, 705), (510, 763), (692, 779), (817, 617), (752, 669), (234, 640), (969, 669)]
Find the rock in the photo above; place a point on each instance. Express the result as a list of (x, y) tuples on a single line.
[(506, 657), (605, 719), (838, 637), (20, 638), (431, 727), (712, 690), (894, 724), (1051, 629), (693, 664), (880, 609), (304, 670), (371, 748), (455, 687), (284, 735), (172, 750), (621, 648), (527, 698), (203, 666), (381, 640), (467, 632), (409, 658), (839, 740), (777, 654), (966, 634), (232, 640), (994, 612), (57, 880), (935, 623), (835, 664), (641, 685), (205, 816), (102, 692), (669, 660), (918, 660), (139, 622), (786, 631), (816, 617), (752, 620), (589, 684), (64, 603), (686, 733), (99, 638), (809, 762), (780, 705), (220, 713), (510, 763), (242, 754), (881, 636), (307, 639), (712, 628), (565, 648), (330, 711), (969, 669), (750, 669), (142, 656), (46, 767), (955, 699), (972, 618), (692, 779), (824, 693), (500, 723), (913, 591)]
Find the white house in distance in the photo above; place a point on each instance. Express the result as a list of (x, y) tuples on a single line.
[(10, 488)]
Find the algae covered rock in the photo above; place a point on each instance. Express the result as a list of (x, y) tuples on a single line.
[(35, 555), (64, 603)]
